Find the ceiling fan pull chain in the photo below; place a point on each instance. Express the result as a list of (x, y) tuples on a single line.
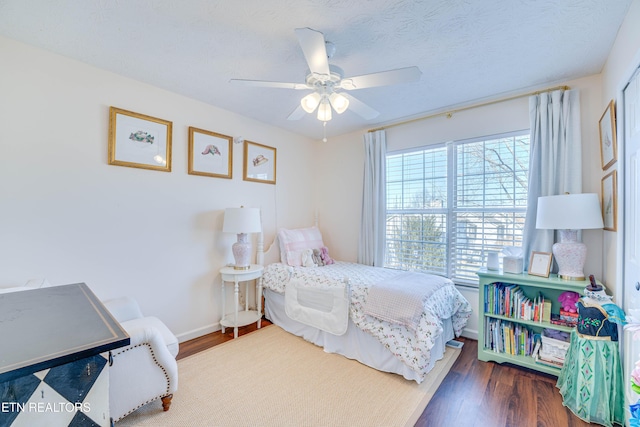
[(324, 131)]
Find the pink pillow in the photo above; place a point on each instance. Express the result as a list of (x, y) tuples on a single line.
[(294, 242)]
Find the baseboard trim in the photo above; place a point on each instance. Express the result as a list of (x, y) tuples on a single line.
[(196, 333), (470, 333)]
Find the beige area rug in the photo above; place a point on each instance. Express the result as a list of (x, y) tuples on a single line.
[(272, 378)]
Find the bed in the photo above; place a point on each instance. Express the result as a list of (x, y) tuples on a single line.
[(392, 321)]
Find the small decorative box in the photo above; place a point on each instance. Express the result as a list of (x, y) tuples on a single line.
[(511, 264), (553, 349)]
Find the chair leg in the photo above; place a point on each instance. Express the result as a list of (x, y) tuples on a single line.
[(166, 402)]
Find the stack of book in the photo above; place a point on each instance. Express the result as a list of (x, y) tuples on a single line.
[(510, 301), (507, 337), (569, 317), (557, 319)]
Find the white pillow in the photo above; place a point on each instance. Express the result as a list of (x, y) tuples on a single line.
[(294, 242), (283, 252)]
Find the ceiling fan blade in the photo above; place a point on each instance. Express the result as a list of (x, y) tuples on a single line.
[(383, 78), (360, 108), (297, 114), (314, 49), (263, 83)]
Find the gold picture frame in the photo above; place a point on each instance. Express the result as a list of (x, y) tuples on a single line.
[(139, 141), (210, 153), (609, 205), (259, 163), (540, 264), (608, 143)]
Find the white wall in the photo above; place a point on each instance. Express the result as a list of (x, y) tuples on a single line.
[(338, 193), (68, 216), (623, 59), (341, 160)]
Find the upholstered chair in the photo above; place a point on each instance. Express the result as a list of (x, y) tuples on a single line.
[(145, 370)]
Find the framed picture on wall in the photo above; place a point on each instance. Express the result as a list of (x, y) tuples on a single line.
[(608, 145), (210, 153), (610, 201), (259, 163), (139, 141)]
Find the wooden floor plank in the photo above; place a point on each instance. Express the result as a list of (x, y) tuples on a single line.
[(522, 409), (445, 405), (550, 410)]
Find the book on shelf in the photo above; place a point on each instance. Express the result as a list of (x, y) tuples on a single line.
[(536, 348), (570, 318), (565, 313), (509, 300), (506, 337), (545, 362), (546, 311), (547, 357)]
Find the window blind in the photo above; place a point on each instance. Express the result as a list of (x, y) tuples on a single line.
[(449, 205)]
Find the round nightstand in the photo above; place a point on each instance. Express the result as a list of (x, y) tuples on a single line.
[(245, 317)]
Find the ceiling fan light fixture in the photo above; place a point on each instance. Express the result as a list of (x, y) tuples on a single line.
[(322, 79), (339, 102), (310, 102), (324, 110)]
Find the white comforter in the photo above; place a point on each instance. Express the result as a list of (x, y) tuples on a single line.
[(412, 347)]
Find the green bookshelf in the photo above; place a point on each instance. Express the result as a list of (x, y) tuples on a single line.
[(531, 286)]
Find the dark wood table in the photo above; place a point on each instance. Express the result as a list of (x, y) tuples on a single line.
[(60, 336)]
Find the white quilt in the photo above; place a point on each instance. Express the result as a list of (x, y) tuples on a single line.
[(411, 346), (401, 298)]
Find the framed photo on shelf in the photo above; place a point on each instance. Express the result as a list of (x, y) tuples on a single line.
[(610, 201), (210, 153), (259, 163), (139, 141), (608, 145), (540, 264)]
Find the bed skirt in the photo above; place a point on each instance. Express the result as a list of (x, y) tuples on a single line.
[(355, 343)]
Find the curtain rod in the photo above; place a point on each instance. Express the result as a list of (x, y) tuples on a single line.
[(457, 110)]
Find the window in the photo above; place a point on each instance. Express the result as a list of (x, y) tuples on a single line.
[(448, 205)]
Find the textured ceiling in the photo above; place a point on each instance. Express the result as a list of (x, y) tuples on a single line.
[(467, 50)]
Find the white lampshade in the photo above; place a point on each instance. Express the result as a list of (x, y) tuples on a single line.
[(569, 212), (324, 110), (310, 102), (242, 220), (339, 102)]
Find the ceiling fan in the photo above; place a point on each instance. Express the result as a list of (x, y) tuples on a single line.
[(328, 83)]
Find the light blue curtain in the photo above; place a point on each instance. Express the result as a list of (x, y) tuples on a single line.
[(555, 164), (371, 247)]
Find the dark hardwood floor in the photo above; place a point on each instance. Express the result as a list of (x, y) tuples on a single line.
[(204, 342), (474, 393), (484, 394)]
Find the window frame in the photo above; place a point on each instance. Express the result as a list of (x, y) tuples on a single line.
[(450, 210)]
